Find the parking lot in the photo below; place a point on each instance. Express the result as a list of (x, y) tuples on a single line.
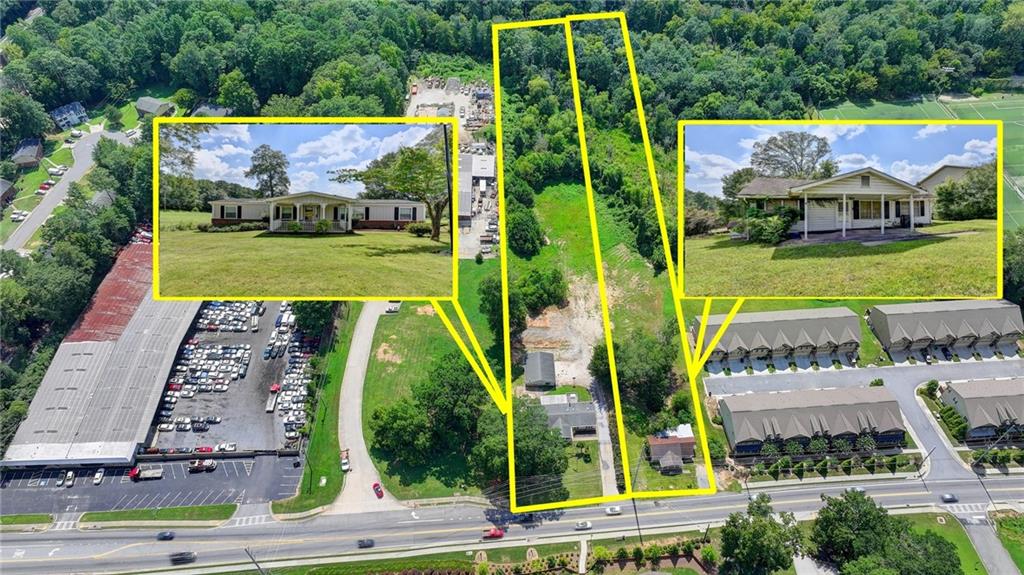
[(225, 373), (247, 480)]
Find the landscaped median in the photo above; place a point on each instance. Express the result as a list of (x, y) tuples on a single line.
[(24, 521), (323, 450), (198, 516)]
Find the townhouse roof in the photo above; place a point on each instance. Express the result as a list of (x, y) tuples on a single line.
[(785, 329), (806, 413), (991, 402), (939, 320)]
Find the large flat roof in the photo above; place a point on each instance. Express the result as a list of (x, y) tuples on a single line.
[(465, 185), (97, 399)]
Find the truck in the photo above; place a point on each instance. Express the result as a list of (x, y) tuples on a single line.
[(140, 474), (492, 533), (271, 403)]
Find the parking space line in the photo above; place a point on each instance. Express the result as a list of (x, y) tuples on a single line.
[(161, 504), (141, 503), (129, 502), (207, 497), (119, 501), (175, 497)]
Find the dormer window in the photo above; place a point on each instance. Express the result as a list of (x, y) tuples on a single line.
[(865, 181)]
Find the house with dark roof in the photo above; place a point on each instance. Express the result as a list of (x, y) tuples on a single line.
[(7, 191), (540, 370), (28, 153), (787, 334), (69, 115), (862, 199), (991, 407), (754, 419), (209, 110), (935, 325), (573, 419), (670, 448), (148, 106)]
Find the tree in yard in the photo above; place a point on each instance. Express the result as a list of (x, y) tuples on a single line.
[(270, 168), (237, 94), (972, 197), (113, 114), (539, 448), (790, 155), (769, 450), (491, 306), (524, 236), (794, 448), (543, 287), (868, 565), (23, 116), (185, 99), (850, 526), (402, 430), (8, 170), (758, 542), (450, 396), (841, 446), (734, 182), (413, 173), (178, 145), (643, 365), (313, 316), (818, 446), (866, 443)]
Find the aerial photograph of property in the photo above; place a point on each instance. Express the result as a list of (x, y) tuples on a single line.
[(843, 210), (341, 287), (304, 210)]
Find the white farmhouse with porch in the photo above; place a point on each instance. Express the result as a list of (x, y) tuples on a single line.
[(307, 208), (863, 199)]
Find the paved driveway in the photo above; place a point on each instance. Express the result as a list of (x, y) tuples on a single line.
[(82, 153), (900, 381), (357, 495)]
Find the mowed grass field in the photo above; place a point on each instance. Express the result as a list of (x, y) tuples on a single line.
[(722, 267), (1006, 107), (258, 265)]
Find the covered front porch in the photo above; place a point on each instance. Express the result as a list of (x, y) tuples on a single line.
[(887, 214), (309, 216)]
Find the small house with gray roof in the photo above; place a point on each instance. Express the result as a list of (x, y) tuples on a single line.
[(540, 370), (976, 324), (148, 106), (572, 418), (754, 419), (862, 199), (991, 407), (28, 153), (786, 334)]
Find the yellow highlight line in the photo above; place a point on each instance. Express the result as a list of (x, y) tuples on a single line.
[(494, 392), (476, 344)]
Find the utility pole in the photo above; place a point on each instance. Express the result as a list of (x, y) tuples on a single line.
[(256, 563), (452, 216), (983, 454), (637, 517)]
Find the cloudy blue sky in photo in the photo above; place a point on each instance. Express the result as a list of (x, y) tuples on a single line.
[(313, 150), (908, 152)]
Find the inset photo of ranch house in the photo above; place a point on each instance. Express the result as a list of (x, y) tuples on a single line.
[(838, 209), (291, 210)]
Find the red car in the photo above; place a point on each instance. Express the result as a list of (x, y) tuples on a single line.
[(204, 450), (493, 533), (378, 491), (44, 186), (174, 387)]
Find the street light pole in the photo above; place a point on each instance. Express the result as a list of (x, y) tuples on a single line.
[(637, 517), (256, 563)]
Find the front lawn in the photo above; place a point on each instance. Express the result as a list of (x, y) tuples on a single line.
[(198, 513), (953, 532), (952, 266), (323, 451), (405, 346), (583, 476), (1010, 527), (258, 265), (647, 478)]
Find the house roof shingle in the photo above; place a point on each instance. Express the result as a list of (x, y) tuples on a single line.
[(991, 402), (940, 320), (540, 367), (785, 329)]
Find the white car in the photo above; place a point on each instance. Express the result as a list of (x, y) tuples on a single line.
[(614, 510), (69, 479), (165, 427), (229, 447), (98, 478), (345, 465), (187, 393), (220, 387), (583, 526)]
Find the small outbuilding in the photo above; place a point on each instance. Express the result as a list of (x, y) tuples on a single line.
[(7, 191), (540, 370), (147, 106)]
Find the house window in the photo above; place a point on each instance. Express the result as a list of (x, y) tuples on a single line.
[(405, 214), (868, 210), (231, 212), (865, 181), (920, 209), (287, 212)]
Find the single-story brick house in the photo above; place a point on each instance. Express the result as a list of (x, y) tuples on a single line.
[(670, 448), (307, 208), (991, 407), (861, 199), (28, 153)]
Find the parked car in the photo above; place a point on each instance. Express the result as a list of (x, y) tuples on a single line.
[(165, 536), (165, 427), (98, 477), (345, 465), (377, 490), (212, 419), (69, 479), (204, 449), (60, 479)]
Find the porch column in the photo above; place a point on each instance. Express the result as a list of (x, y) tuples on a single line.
[(805, 215), (271, 204), (883, 213), (844, 214), (323, 211), (348, 216), (911, 212)]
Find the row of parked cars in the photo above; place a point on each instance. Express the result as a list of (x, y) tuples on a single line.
[(293, 391), (230, 316)]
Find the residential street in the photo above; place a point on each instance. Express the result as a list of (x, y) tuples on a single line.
[(357, 494), (82, 153)]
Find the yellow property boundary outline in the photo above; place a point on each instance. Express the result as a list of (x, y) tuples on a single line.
[(453, 207), (681, 177), (694, 358)]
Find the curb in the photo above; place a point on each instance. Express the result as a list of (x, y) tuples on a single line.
[(94, 525)]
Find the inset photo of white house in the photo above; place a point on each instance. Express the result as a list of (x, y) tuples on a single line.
[(840, 209), (358, 208)]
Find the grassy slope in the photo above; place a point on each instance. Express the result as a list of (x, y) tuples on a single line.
[(898, 269), (953, 532), (233, 264), (199, 513), (404, 349), (1011, 533), (323, 449)]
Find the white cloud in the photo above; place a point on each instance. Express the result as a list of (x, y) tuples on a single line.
[(303, 181), (975, 152), (342, 147), (831, 132), (707, 170), (930, 130), (209, 166), (850, 162), (983, 147), (237, 132), (230, 150)]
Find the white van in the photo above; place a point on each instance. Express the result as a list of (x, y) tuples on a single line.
[(255, 323)]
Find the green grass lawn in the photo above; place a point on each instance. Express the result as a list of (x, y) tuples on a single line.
[(323, 451), (719, 266), (170, 219), (1010, 527), (953, 532), (1013, 208), (646, 478), (259, 265), (870, 348), (198, 513), (583, 476), (582, 393), (26, 519), (405, 346), (28, 182), (875, 110)]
